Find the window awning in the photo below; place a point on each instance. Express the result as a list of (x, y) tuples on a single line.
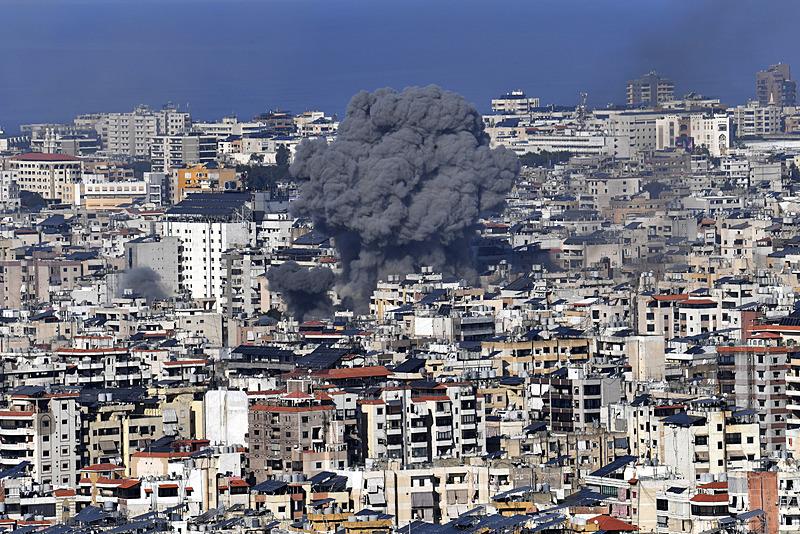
[(376, 499), (422, 499), (106, 445)]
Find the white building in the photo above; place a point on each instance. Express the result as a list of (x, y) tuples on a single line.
[(515, 103), (229, 126), (207, 225), (226, 417), (753, 119), (711, 132), (50, 175), (130, 134), (174, 151)]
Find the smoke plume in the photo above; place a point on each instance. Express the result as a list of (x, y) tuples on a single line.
[(403, 185), (305, 291), (142, 282)]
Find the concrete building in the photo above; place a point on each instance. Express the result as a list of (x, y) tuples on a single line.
[(169, 152), (207, 225), (756, 119), (53, 176), (53, 141), (295, 433), (43, 430), (202, 177), (650, 90), (96, 193), (514, 103), (229, 126), (131, 134), (755, 378), (159, 254), (226, 417), (774, 86)]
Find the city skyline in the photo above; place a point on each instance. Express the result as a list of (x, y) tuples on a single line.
[(236, 62)]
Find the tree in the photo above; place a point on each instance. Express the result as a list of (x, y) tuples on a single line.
[(260, 177), (282, 156)]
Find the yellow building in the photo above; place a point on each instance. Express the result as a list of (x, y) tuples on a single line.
[(203, 178)]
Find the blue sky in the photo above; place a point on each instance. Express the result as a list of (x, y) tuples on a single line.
[(64, 57)]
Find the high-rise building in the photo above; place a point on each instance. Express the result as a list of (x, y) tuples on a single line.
[(130, 134), (775, 86), (650, 89), (174, 151), (207, 225)]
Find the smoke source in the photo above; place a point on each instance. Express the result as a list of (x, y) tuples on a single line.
[(403, 185), (305, 291), (143, 282)]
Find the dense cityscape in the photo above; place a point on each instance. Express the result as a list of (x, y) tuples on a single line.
[(414, 318)]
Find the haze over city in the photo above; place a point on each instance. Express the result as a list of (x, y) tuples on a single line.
[(384, 267), (65, 57)]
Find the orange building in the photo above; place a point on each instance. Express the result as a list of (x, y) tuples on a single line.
[(203, 178)]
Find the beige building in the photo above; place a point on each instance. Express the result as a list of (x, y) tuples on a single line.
[(50, 175)]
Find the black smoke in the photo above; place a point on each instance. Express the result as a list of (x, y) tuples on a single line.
[(305, 291), (403, 185), (142, 282)]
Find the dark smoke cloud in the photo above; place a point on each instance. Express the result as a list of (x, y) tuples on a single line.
[(305, 291), (403, 185), (143, 282)]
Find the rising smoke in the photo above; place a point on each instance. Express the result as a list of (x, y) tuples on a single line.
[(403, 185), (305, 291), (142, 282)]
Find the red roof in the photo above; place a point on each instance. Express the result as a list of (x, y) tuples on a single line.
[(767, 335), (168, 486), (40, 156), (15, 413), (238, 483), (605, 522), (720, 484), (102, 467), (705, 497), (297, 395), (355, 372), (64, 492)]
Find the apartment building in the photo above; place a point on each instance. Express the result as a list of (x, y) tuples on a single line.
[(755, 119), (168, 152), (423, 424), (514, 103), (43, 429), (755, 378), (774, 86), (53, 176), (709, 440), (202, 178), (294, 432), (131, 134), (207, 225), (651, 89)]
